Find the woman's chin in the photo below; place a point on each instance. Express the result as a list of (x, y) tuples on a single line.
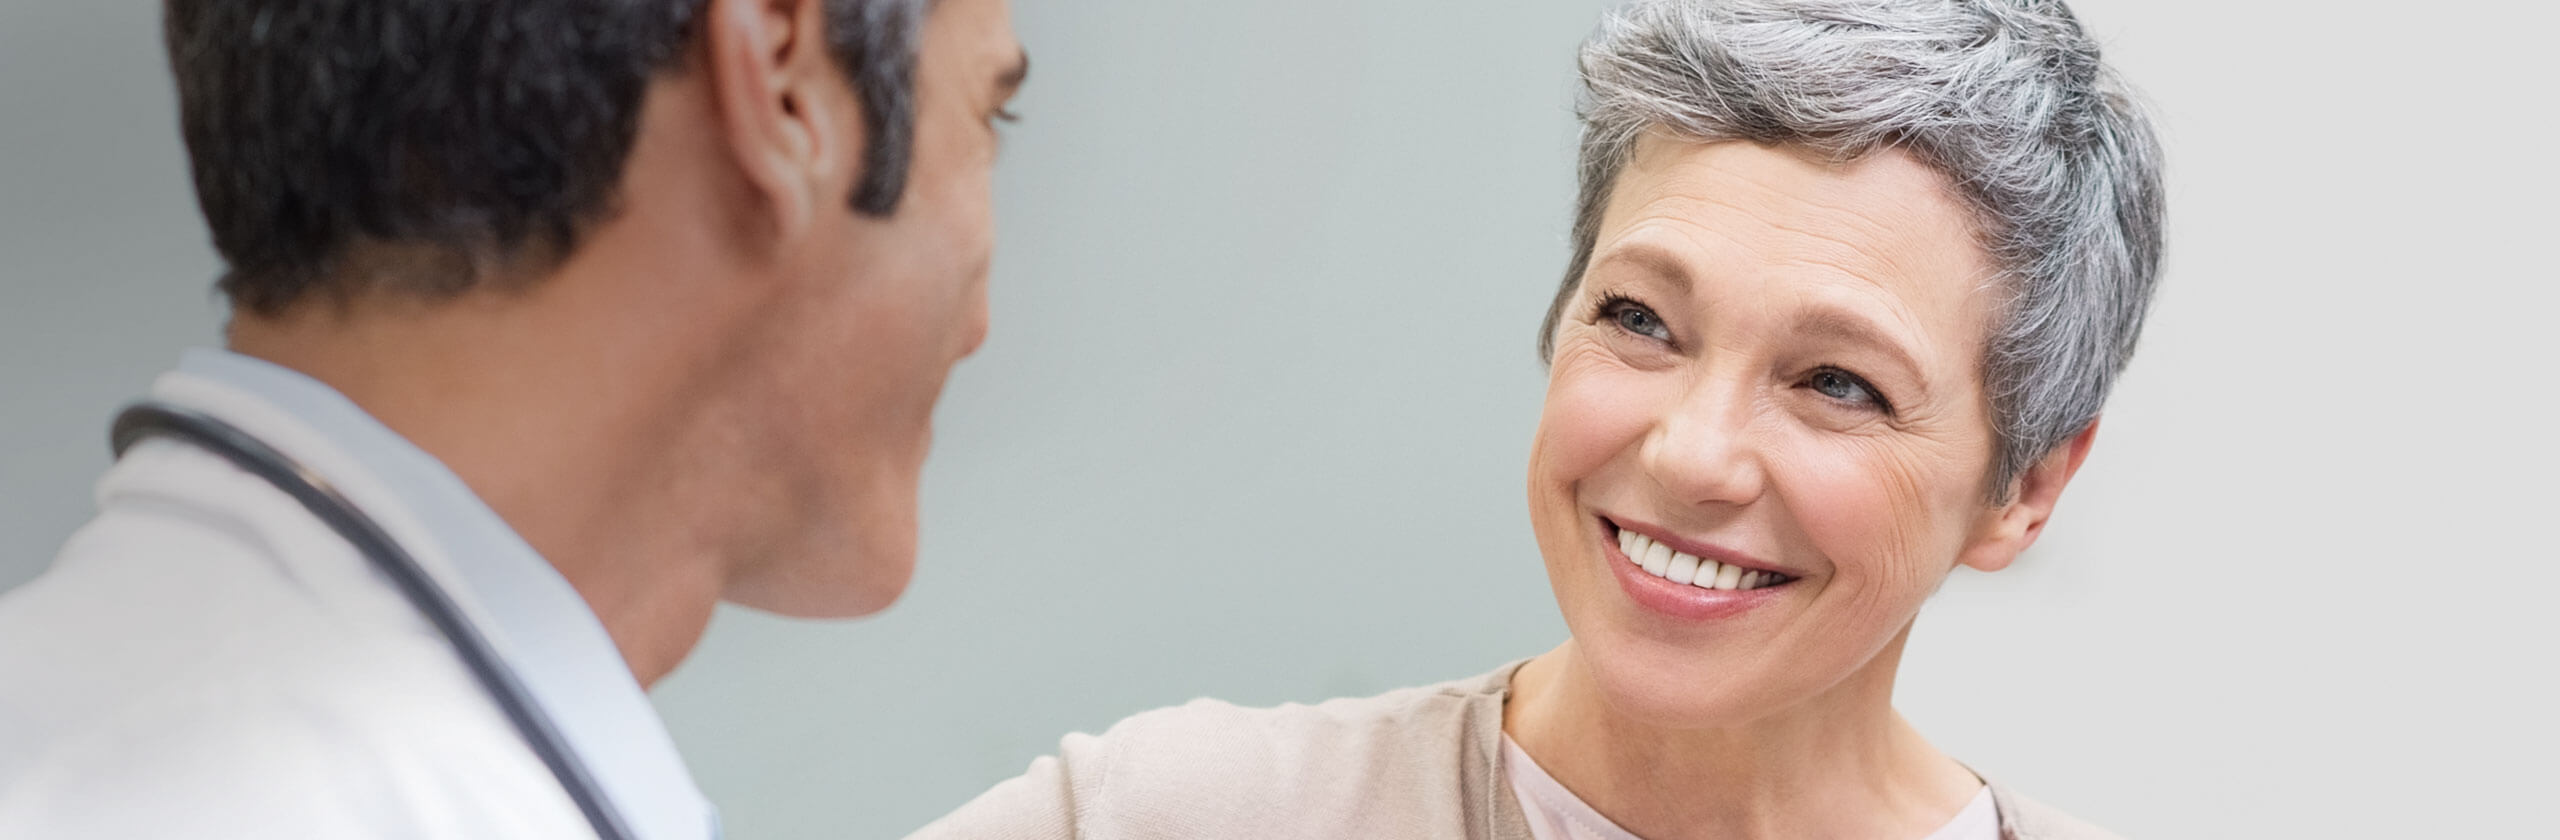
[(1668, 687)]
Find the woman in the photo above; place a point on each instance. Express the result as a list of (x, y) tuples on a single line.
[(1851, 281)]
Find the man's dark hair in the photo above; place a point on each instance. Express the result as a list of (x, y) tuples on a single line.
[(460, 135)]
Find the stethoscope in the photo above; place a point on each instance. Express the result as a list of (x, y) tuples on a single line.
[(155, 418)]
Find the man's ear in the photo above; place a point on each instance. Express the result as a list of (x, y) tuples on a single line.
[(777, 96), (2005, 530)]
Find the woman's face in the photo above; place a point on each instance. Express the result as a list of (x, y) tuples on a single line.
[(1772, 365)]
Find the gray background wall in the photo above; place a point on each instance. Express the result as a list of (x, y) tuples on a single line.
[(1253, 420)]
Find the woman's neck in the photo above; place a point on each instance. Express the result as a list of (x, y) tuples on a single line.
[(1840, 764)]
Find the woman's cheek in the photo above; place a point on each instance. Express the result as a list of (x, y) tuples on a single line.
[(1868, 518), (1596, 410)]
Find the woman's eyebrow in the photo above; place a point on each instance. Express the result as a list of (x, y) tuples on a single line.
[(1651, 259), (1847, 327)]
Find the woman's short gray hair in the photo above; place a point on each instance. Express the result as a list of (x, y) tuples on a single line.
[(2007, 98)]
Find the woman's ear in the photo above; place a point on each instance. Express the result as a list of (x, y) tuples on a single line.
[(2006, 530)]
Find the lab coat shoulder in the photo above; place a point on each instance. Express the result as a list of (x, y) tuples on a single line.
[(232, 759), (204, 659)]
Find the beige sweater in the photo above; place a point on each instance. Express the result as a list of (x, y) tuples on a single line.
[(1414, 763)]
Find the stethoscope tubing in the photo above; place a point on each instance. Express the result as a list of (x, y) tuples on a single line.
[(323, 500)]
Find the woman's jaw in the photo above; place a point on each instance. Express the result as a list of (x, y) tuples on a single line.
[(1686, 656)]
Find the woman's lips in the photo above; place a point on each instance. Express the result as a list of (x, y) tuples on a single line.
[(1683, 585)]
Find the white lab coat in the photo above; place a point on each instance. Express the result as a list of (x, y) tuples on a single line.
[(206, 659)]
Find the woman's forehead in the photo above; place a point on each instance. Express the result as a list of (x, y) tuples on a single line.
[(1791, 225)]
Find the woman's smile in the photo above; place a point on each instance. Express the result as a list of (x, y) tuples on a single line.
[(1686, 579)]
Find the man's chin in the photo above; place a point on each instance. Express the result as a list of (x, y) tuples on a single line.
[(839, 584)]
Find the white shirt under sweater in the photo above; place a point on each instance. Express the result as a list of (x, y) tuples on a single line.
[(1556, 814)]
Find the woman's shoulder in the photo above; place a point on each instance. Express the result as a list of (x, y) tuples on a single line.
[(1297, 735), (1397, 763), (2022, 818)]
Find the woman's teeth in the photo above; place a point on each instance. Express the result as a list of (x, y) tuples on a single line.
[(1660, 561)]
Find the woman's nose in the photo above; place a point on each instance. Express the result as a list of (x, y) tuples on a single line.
[(1702, 450)]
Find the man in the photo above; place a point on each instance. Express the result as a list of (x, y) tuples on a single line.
[(603, 310)]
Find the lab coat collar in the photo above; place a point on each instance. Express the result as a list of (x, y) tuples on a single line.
[(530, 614)]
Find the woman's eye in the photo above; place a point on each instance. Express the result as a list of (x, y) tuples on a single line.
[(1846, 387), (1635, 318)]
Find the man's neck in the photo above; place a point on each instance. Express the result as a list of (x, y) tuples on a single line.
[(563, 419)]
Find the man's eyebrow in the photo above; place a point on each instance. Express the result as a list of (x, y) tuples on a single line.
[(1013, 77)]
